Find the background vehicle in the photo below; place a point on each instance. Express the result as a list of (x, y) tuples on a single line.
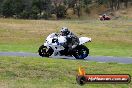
[(104, 18)]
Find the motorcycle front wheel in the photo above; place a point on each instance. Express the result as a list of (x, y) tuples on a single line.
[(44, 51), (80, 52)]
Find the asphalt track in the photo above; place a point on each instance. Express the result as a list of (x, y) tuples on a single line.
[(123, 60)]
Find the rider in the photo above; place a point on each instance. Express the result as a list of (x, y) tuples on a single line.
[(104, 16), (72, 40)]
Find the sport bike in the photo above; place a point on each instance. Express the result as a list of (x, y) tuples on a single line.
[(54, 46)]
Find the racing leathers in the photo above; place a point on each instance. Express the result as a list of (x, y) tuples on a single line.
[(72, 42)]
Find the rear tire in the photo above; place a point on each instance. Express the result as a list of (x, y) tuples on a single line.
[(44, 51), (80, 52)]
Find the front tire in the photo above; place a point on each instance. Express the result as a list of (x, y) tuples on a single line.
[(44, 51), (80, 52)]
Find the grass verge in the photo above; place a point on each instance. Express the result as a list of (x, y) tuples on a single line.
[(109, 38), (28, 72)]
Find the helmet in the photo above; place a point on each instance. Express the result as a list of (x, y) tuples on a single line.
[(104, 14), (64, 31)]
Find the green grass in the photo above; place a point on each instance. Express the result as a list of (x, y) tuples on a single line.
[(109, 38), (28, 72), (19, 48), (110, 49)]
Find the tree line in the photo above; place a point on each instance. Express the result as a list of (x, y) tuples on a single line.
[(115, 4), (44, 9)]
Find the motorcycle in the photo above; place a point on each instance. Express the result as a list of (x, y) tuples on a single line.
[(54, 46), (104, 18)]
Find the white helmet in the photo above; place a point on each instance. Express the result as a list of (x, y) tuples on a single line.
[(64, 31)]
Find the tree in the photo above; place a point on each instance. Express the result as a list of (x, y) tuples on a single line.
[(43, 8), (34, 12), (60, 11), (27, 9), (78, 7), (7, 8), (18, 7), (24, 14), (126, 3), (86, 2), (12, 7), (101, 2), (1, 1), (70, 4)]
